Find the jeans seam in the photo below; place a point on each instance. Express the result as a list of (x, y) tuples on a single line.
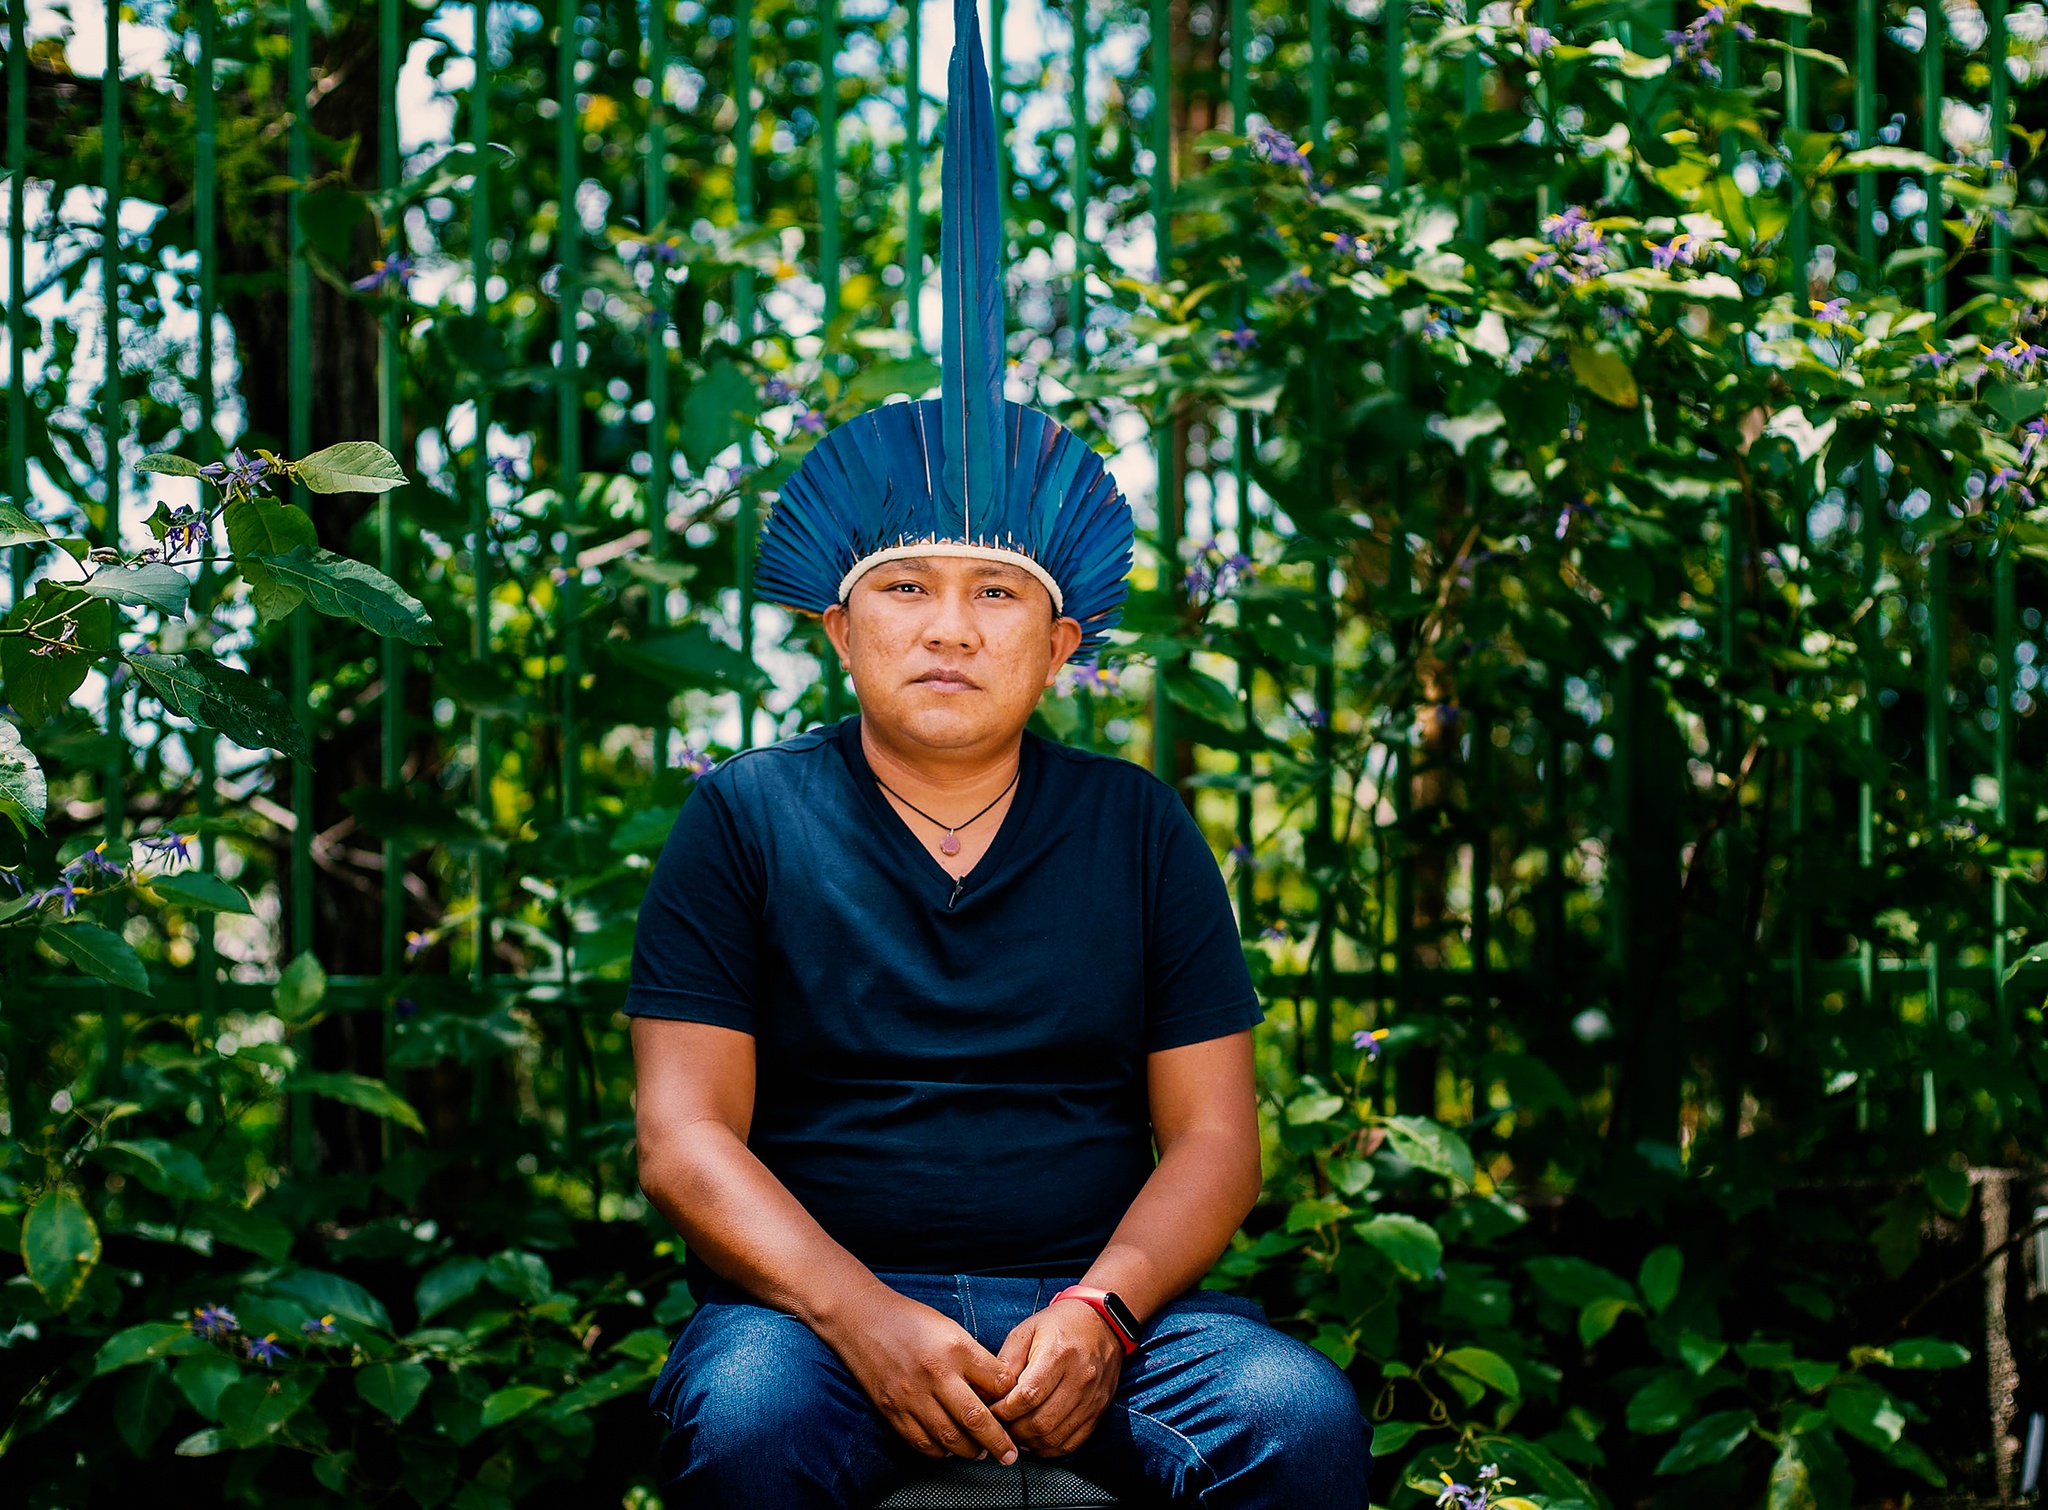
[(963, 1287)]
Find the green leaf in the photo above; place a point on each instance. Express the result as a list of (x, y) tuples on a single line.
[(914, 376), (1926, 1352), (263, 1235), (1914, 1459), (1659, 1276), (719, 409), (1597, 1318), (507, 1404), (203, 1378), (393, 1388), (523, 1276), (143, 1406), (360, 1091), (353, 466), (167, 1169), (256, 1408), (60, 1244), (1810, 1474), (1867, 1412), (195, 888), (250, 712), (442, 1286), (690, 657), (1605, 374), (24, 794), (203, 1444), (154, 584), (1578, 1283), (327, 1294), (146, 1343), (1949, 1189), (97, 952), (1316, 1106), (1204, 696), (268, 527), (16, 528), (343, 588), (1490, 1369), (1707, 1441), (167, 464), (1412, 1246), (1305, 1216), (1431, 1146), (301, 987), (1888, 159), (72, 627)]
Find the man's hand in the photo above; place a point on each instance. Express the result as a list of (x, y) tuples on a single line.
[(1066, 1361), (928, 1377)]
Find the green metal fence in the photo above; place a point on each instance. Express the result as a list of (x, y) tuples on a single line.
[(1535, 787)]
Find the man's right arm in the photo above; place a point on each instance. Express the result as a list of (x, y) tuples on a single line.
[(694, 1104)]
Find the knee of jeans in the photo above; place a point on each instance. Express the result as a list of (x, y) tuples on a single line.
[(1302, 1403), (749, 1391)]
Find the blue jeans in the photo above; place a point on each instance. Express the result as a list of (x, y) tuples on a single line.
[(1218, 1409)]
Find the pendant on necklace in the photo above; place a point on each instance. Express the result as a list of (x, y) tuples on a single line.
[(949, 845)]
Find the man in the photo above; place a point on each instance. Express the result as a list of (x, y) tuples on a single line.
[(916, 996)]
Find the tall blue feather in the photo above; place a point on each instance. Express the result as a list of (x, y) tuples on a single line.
[(971, 275), (970, 467)]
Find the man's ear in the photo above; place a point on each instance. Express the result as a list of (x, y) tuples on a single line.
[(838, 629), (1066, 639)]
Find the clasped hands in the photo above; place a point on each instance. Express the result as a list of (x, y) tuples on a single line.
[(947, 1395)]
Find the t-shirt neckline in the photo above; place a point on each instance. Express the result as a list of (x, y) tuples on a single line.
[(904, 837)]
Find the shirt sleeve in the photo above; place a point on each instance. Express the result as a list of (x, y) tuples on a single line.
[(696, 946), (1197, 985)]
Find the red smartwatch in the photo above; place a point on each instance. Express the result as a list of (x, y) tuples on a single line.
[(1110, 1307)]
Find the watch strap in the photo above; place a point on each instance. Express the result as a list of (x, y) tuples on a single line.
[(1100, 1301)]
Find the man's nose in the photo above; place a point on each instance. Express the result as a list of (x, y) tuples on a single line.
[(952, 621)]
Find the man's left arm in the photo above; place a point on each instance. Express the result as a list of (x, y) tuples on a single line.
[(1205, 1121)]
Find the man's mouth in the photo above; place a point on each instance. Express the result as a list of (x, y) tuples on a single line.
[(948, 681)]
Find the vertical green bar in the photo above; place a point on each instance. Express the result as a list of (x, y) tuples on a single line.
[(1799, 243), (913, 174), (1799, 238), (2004, 585), (1161, 43), (1869, 501), (569, 398), (17, 276), (481, 870), (1240, 69), (114, 775), (299, 424), (828, 161), (204, 188), (1077, 180), (1319, 71), (743, 316), (1395, 14), (1241, 433), (658, 467), (391, 754), (1934, 296)]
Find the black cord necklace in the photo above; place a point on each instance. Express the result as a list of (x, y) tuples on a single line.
[(950, 845)]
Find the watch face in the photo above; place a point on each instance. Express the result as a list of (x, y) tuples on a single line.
[(1116, 1308)]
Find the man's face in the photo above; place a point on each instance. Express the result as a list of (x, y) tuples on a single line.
[(950, 652)]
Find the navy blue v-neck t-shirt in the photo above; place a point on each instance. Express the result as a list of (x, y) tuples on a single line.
[(949, 1077)]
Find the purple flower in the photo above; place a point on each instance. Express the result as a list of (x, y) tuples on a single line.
[(1368, 1042), (2001, 479), (778, 391), (1831, 311), (323, 1327), (1091, 676), (1197, 580), (1679, 248), (666, 251), (417, 944), (2016, 355), (1275, 934), (1241, 853), (1278, 148), (214, 1323), (1352, 248), (2037, 431), (1540, 41), (811, 421), (169, 843), (93, 862), (1935, 359), (264, 1350), (1244, 338), (507, 467), (696, 762), (384, 271), (1581, 250), (13, 880), (238, 474)]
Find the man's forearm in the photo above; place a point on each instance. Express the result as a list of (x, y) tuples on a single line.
[(745, 1224), (1181, 1221)]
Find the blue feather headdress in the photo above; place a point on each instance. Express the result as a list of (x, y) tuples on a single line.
[(967, 474)]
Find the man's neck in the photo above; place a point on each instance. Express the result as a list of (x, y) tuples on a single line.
[(946, 776)]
